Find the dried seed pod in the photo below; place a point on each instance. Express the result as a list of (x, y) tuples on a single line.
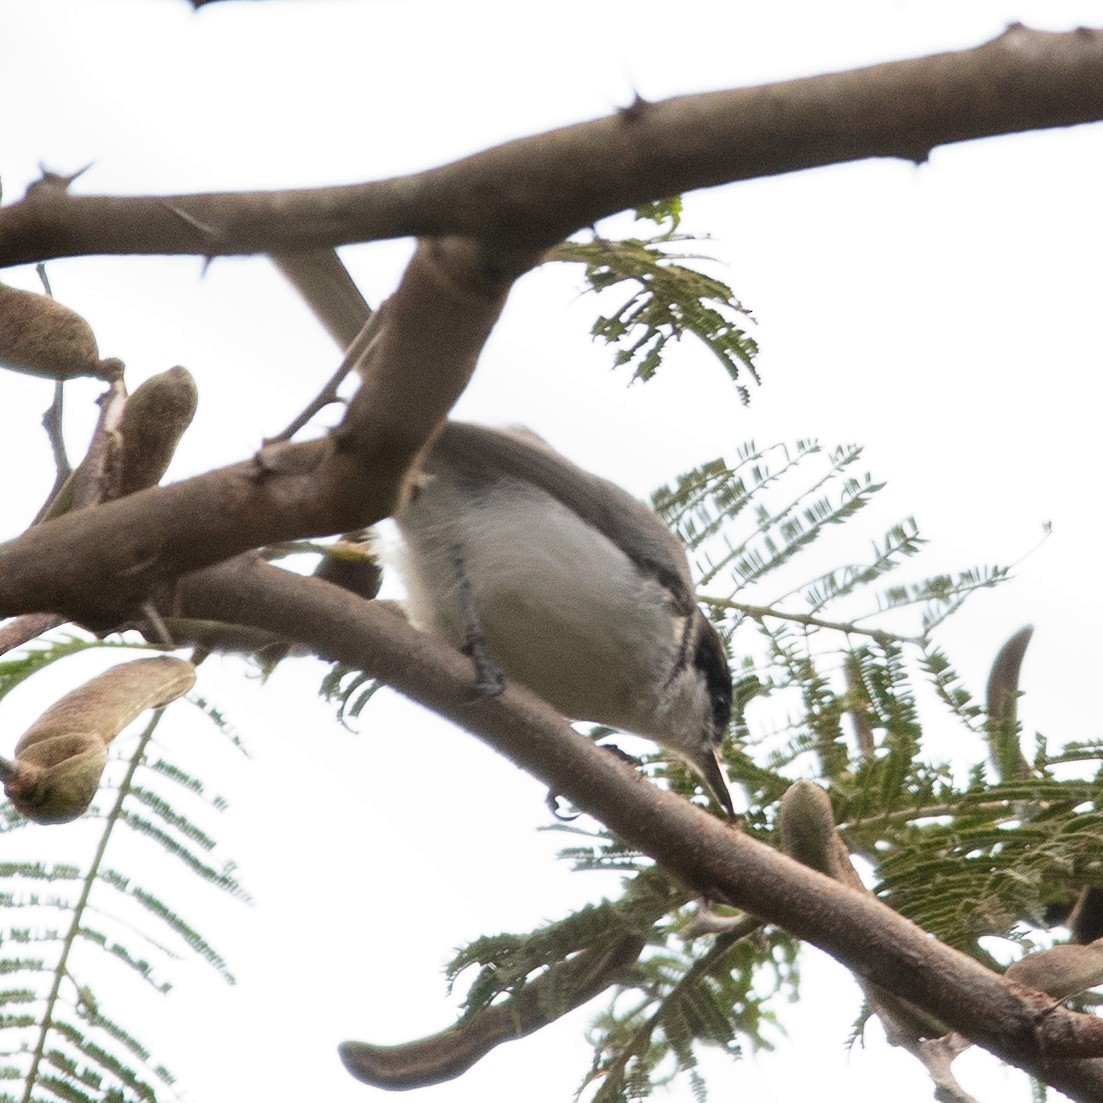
[(1003, 695), (60, 759), (41, 337), (565, 986), (809, 835), (153, 422), (1081, 912), (1060, 971)]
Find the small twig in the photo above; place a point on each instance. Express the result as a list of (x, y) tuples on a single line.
[(97, 476), (356, 352), (19, 631), (157, 626), (927, 811), (52, 423), (1047, 532), (760, 612), (937, 1055), (98, 471)]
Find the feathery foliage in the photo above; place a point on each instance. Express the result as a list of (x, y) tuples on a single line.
[(350, 689), (833, 667), (669, 298), (839, 680), (75, 930)]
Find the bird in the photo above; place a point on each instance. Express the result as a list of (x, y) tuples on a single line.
[(560, 580)]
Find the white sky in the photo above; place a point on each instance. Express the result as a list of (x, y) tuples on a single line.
[(943, 315)]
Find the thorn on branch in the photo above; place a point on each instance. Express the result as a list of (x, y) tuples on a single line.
[(51, 179), (44, 279), (635, 110)]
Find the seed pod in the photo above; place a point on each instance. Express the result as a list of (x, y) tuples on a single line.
[(41, 337), (1003, 695), (153, 422), (60, 759), (1060, 971), (809, 835)]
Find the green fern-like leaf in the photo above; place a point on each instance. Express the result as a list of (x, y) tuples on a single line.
[(835, 673), (670, 299), (93, 1055), (350, 689), (173, 846)]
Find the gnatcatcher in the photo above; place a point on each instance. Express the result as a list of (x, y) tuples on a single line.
[(575, 588)]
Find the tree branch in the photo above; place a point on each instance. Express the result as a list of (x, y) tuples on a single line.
[(536, 191), (445, 1055), (99, 566), (708, 855), (321, 278)]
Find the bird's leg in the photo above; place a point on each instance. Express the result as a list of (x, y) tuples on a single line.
[(491, 680)]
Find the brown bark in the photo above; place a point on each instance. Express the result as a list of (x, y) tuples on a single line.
[(101, 564), (707, 854), (535, 191), (98, 566)]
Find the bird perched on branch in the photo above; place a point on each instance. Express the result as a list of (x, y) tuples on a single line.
[(565, 583)]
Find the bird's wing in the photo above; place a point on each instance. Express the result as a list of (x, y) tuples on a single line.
[(624, 520)]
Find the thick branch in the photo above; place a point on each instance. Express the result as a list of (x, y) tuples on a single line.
[(99, 565), (708, 855), (537, 190), (325, 283)]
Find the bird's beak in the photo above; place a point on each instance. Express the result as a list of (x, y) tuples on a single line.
[(716, 781)]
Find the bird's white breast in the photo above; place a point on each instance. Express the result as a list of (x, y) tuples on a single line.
[(563, 609)]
